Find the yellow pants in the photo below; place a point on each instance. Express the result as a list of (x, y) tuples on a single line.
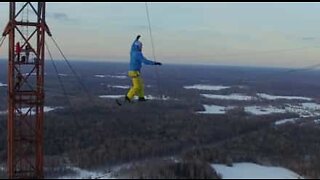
[(137, 85)]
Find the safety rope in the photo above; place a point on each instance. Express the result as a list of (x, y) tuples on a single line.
[(60, 82), (73, 71), (2, 125), (150, 31), (2, 40), (73, 114), (153, 50)]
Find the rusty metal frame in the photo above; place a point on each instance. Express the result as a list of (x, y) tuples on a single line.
[(25, 129)]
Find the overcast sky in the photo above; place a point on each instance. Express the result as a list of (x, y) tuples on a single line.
[(246, 34)]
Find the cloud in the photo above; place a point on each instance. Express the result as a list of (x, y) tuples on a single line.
[(309, 38), (61, 17)]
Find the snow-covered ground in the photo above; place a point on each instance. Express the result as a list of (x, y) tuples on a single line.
[(111, 96), (123, 87), (207, 87), (244, 170), (111, 76), (120, 87), (3, 85), (110, 173), (148, 97), (238, 97), (263, 110), (254, 171), (311, 106), (99, 76), (84, 174), (213, 109), (272, 97), (118, 76), (64, 75), (283, 121), (304, 110), (32, 111), (242, 97), (32, 74), (317, 121)]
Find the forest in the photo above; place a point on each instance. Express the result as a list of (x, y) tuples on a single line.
[(94, 133)]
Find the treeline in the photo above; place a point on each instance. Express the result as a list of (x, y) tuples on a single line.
[(169, 169), (99, 136), (294, 147)]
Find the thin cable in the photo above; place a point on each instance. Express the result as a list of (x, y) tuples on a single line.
[(153, 50), (2, 40), (150, 32), (73, 71), (59, 78), (73, 114)]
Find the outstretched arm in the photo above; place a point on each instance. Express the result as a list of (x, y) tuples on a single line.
[(147, 61)]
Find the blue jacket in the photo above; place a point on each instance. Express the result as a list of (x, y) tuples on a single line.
[(137, 58)]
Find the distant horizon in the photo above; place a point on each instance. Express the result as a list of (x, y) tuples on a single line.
[(175, 64)]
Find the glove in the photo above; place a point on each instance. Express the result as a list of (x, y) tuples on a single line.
[(158, 63)]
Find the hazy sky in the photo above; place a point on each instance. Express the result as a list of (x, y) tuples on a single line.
[(254, 34)]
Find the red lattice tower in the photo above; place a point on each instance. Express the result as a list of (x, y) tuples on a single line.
[(26, 90)]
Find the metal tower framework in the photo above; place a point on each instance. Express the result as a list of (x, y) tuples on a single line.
[(26, 90)]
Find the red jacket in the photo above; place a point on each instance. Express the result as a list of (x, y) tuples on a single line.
[(18, 48)]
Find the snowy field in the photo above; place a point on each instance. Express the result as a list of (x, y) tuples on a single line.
[(272, 97), (32, 111), (254, 171), (237, 97), (213, 109), (243, 170), (117, 76), (119, 87), (111, 76), (263, 110), (64, 75), (303, 109), (109, 173), (99, 76), (84, 174), (148, 97), (111, 96), (243, 97), (283, 121), (207, 87)]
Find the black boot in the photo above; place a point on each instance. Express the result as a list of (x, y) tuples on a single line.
[(142, 99), (126, 99), (121, 102)]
